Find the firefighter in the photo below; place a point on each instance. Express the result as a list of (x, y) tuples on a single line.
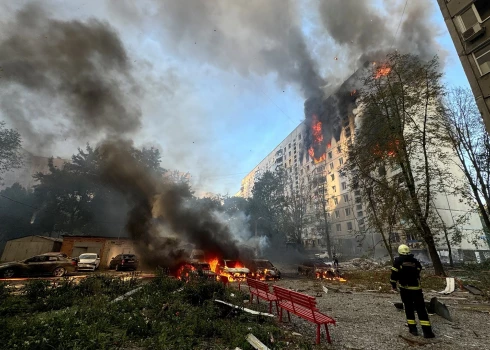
[(406, 271)]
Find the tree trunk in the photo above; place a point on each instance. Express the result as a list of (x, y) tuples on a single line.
[(431, 246), (325, 226), (380, 228), (446, 235)]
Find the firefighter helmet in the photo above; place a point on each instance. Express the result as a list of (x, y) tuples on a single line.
[(403, 250)]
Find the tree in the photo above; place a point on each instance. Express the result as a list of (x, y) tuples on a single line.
[(10, 142), (398, 152), (464, 128)]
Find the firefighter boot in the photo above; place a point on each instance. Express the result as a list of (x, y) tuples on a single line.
[(412, 328), (428, 332)]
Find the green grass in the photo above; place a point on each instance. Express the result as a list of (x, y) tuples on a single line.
[(80, 316)]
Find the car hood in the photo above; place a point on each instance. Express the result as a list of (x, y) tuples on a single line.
[(87, 261), (237, 270)]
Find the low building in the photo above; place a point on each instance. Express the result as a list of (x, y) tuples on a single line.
[(26, 247), (106, 247)]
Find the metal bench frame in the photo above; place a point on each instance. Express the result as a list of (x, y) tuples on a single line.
[(261, 291)]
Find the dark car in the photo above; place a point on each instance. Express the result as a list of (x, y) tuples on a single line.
[(263, 269), (317, 268), (53, 264), (124, 262)]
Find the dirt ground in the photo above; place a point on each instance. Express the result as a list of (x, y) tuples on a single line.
[(368, 320)]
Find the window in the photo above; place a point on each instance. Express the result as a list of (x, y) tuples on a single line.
[(349, 225), (339, 149), (337, 214), (359, 214), (289, 146), (329, 155), (299, 136), (483, 9), (468, 19), (347, 211), (339, 227), (358, 199), (336, 201), (482, 58), (346, 197), (359, 207), (341, 161), (334, 189), (290, 153), (332, 176), (344, 185), (331, 165)]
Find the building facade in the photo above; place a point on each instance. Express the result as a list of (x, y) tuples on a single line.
[(468, 22)]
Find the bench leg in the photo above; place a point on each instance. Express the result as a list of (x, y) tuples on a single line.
[(289, 317), (270, 307), (328, 334), (277, 308), (318, 334), (280, 314)]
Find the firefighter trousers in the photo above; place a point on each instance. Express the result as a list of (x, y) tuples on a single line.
[(413, 300)]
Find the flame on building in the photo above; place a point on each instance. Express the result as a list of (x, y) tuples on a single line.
[(317, 133), (382, 72)]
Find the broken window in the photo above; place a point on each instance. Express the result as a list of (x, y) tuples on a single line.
[(334, 188), (329, 155), (332, 176), (339, 149), (482, 59)]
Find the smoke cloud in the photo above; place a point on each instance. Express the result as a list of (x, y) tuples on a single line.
[(67, 76), (255, 36)]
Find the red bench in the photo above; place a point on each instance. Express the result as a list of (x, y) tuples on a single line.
[(304, 306), (261, 291)]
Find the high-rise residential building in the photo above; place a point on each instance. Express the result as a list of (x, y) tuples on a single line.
[(321, 176), (468, 22)]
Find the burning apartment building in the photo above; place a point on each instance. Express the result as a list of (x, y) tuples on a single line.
[(315, 155)]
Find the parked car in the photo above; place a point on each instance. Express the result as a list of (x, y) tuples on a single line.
[(263, 269), (316, 267), (124, 262), (88, 261), (53, 264), (234, 268)]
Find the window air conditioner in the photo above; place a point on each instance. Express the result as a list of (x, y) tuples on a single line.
[(485, 68), (474, 32)]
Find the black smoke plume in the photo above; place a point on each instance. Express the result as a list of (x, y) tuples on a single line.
[(163, 219), (71, 75)]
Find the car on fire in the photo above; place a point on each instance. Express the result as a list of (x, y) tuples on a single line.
[(52, 264), (233, 268), (263, 269), (124, 262), (197, 269), (316, 267), (88, 261)]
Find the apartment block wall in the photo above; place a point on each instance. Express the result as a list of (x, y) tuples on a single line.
[(468, 22)]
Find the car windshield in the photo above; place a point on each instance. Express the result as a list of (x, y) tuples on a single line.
[(129, 257), (88, 256), (233, 264), (264, 264)]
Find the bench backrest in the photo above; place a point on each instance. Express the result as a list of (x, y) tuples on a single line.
[(253, 283), (295, 298)]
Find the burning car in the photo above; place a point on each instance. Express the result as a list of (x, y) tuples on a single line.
[(316, 267), (196, 269), (264, 270), (233, 269)]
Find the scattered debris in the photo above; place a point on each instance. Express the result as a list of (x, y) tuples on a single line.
[(297, 334), (257, 344), (325, 289), (253, 312), (178, 290), (361, 263), (439, 309), (476, 334), (472, 289), (124, 296)]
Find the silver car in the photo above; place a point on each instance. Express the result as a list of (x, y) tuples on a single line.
[(88, 261)]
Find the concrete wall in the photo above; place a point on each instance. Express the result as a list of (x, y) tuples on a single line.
[(26, 247)]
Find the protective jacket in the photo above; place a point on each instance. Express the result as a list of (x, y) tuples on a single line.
[(406, 271)]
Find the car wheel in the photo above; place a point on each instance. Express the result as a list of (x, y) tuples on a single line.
[(59, 272), (118, 268), (9, 273)]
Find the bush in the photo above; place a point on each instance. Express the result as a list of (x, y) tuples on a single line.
[(36, 289)]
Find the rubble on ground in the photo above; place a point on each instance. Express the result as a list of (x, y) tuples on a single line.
[(361, 264)]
